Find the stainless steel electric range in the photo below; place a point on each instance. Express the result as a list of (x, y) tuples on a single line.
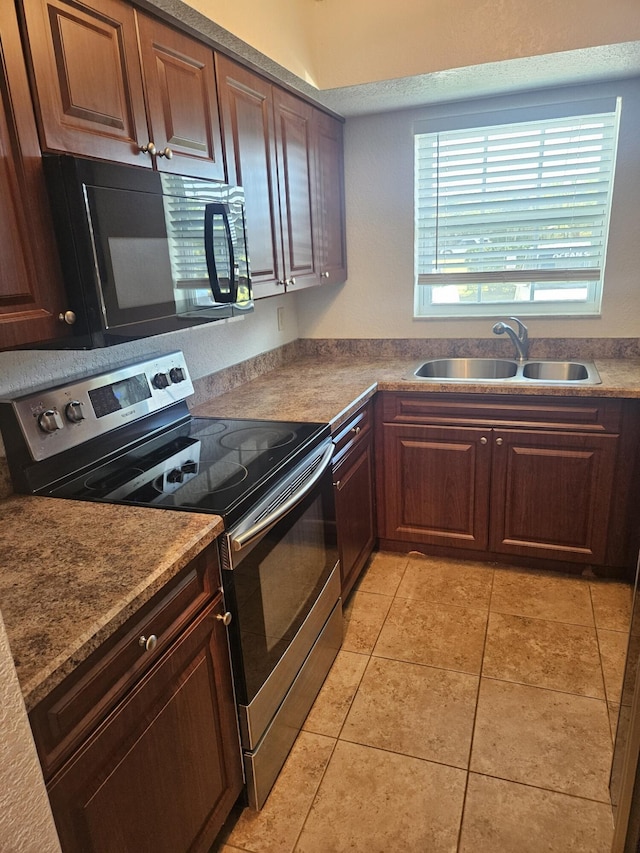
[(127, 436)]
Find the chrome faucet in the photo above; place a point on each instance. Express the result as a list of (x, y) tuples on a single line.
[(519, 338)]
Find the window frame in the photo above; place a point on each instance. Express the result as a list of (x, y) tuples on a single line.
[(425, 308)]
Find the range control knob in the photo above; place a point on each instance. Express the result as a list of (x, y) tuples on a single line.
[(73, 411), (50, 420), (160, 380), (175, 476), (176, 374), (189, 467)]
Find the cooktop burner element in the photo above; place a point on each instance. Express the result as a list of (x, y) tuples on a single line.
[(257, 438)]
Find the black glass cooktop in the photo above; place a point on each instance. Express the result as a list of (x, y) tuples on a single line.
[(203, 464)]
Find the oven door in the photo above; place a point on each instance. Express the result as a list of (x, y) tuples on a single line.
[(281, 583)]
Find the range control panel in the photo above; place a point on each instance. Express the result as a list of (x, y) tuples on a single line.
[(59, 418)]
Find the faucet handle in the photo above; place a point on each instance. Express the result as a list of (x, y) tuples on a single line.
[(523, 332)]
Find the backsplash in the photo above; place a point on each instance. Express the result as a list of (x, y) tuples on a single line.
[(562, 348)]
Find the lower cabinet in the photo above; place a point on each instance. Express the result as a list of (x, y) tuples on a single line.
[(162, 770), (353, 477), (523, 478)]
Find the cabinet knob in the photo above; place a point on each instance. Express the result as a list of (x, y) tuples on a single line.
[(281, 282), (325, 274), (166, 152), (225, 618), (483, 440), (148, 643), (338, 485), (499, 442), (149, 148), (356, 430), (67, 317), (291, 281)]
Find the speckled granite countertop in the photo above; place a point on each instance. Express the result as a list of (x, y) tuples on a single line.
[(72, 572), (329, 389)]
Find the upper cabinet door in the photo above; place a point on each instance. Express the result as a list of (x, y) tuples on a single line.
[(330, 232), (296, 177), (182, 103), (30, 282), (246, 106), (87, 78)]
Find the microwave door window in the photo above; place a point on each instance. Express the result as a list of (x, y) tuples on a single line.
[(131, 255)]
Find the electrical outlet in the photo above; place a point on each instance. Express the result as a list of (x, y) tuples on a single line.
[(281, 318)]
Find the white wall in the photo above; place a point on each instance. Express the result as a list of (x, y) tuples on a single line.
[(333, 43), (26, 824), (377, 300)]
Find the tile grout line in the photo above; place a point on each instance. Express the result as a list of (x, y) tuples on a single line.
[(475, 716)]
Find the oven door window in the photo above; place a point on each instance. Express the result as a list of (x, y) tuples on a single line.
[(276, 584), (150, 265)]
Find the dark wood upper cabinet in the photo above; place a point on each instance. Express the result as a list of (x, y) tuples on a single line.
[(31, 294), (182, 104), (331, 246), (87, 79), (118, 85), (296, 180), (288, 157), (246, 106)]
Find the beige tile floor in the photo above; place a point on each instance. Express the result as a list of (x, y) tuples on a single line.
[(470, 710)]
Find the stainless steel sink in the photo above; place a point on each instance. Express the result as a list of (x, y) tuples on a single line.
[(506, 370), (558, 371), (467, 368)]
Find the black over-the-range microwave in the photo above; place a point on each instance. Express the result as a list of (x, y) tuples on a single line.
[(144, 252)]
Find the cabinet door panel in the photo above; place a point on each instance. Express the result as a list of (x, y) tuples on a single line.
[(330, 232), (87, 78), (551, 494), (247, 117), (31, 292), (296, 177), (163, 771), (436, 482), (355, 512), (182, 100)]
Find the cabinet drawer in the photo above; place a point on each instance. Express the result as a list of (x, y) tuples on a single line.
[(354, 431), (589, 414), (65, 717)]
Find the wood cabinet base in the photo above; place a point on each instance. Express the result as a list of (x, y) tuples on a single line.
[(624, 573)]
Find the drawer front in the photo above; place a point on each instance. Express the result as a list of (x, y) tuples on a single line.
[(588, 414), (352, 433), (65, 717)]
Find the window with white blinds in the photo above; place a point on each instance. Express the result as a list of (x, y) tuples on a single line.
[(514, 215)]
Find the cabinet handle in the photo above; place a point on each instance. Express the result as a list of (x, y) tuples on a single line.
[(483, 440), (499, 442), (149, 148), (148, 643), (166, 152), (225, 618), (67, 317)]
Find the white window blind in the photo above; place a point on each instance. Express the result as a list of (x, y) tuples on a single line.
[(514, 214)]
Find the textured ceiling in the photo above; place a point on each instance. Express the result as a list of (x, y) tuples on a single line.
[(606, 62)]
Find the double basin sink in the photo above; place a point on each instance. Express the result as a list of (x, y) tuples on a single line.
[(490, 369)]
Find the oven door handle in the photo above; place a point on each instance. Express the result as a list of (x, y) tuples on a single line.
[(242, 538)]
